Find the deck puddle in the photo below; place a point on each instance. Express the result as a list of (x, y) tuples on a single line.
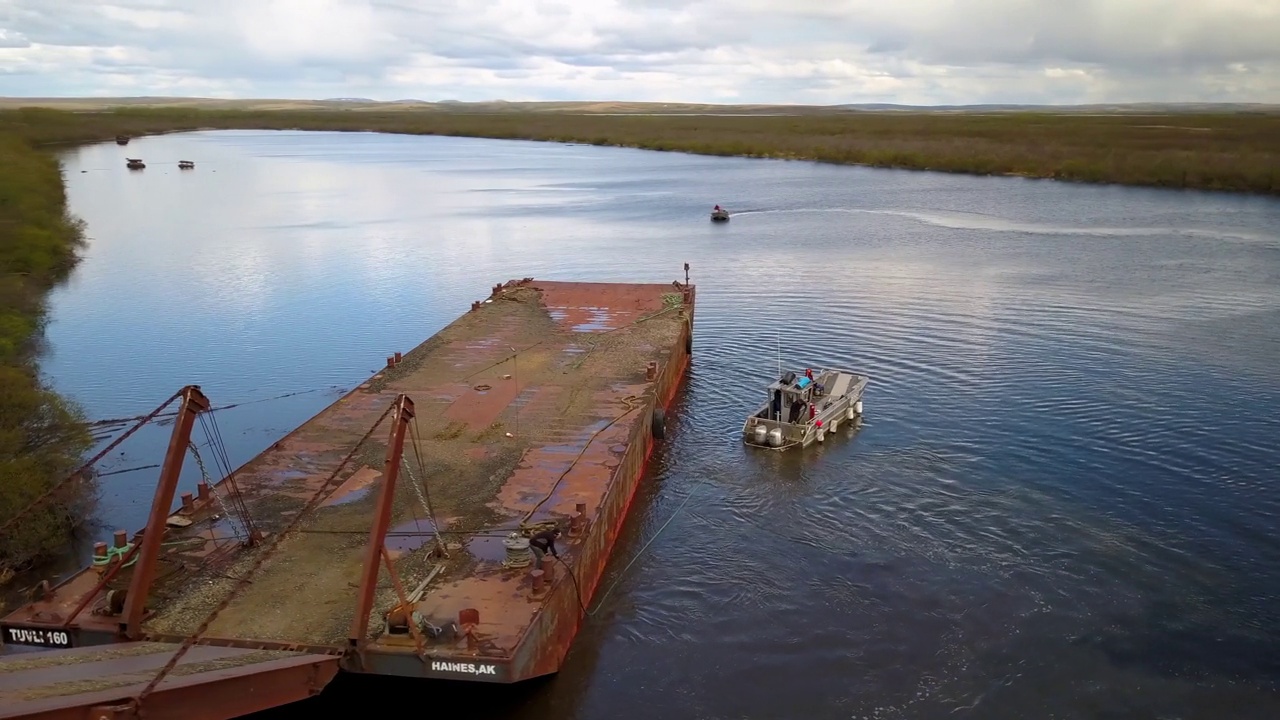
[(349, 497), (409, 536), (488, 548)]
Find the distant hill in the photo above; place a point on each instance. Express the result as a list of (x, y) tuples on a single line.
[(607, 107), (1160, 108)]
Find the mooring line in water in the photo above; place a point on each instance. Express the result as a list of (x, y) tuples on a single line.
[(121, 421), (79, 472), (623, 573), (126, 470)]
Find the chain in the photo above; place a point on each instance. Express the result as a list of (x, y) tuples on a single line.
[(417, 489), (236, 525)]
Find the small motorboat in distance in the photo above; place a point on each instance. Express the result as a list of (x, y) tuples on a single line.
[(134, 163), (186, 165), (719, 214), (804, 408)]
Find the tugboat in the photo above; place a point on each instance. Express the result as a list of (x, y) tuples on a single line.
[(719, 214), (802, 409), (134, 163)]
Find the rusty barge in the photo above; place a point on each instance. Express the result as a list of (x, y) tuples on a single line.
[(389, 533)]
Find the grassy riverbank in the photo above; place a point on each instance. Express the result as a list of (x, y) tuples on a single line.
[(41, 436), (1225, 151)]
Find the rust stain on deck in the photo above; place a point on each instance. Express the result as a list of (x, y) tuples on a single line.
[(598, 307), (480, 406), (355, 488)]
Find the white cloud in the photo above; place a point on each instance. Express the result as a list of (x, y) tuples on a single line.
[(12, 39), (812, 51)]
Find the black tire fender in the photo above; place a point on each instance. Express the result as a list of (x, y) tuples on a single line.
[(658, 424)]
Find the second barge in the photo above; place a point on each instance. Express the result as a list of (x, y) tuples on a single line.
[(399, 551)]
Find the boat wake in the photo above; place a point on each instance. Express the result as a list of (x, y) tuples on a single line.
[(993, 223)]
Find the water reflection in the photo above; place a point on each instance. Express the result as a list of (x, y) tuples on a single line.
[(1062, 504)]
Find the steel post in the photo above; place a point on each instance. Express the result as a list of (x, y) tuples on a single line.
[(193, 403), (381, 522)]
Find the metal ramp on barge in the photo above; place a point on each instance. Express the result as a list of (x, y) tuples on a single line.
[(104, 682)]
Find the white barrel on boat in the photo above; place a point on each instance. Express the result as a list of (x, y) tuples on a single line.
[(761, 432), (848, 412), (857, 407), (775, 437), (822, 433)]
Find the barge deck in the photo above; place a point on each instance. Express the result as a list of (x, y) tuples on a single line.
[(391, 551)]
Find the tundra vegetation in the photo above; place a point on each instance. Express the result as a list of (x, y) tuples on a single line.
[(42, 436), (1230, 151)]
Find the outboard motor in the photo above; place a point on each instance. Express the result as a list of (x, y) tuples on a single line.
[(761, 434)]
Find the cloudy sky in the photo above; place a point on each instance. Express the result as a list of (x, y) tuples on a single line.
[(771, 51)]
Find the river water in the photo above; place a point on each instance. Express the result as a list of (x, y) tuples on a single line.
[(1063, 503)]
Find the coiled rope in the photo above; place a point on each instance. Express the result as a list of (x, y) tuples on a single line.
[(116, 554)]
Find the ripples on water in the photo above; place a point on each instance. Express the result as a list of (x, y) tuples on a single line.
[(1063, 502)]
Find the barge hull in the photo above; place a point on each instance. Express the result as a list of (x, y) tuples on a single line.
[(551, 636), (540, 406), (605, 476)]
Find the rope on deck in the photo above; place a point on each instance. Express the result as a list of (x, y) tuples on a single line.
[(121, 554), (632, 402)]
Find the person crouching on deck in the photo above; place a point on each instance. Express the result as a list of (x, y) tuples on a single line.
[(543, 543)]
